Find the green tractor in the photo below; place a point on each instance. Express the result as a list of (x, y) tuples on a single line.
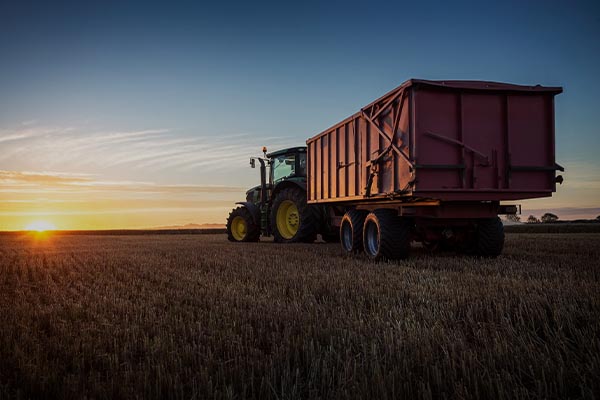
[(278, 206)]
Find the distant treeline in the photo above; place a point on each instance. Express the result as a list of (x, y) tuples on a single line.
[(583, 226), (210, 231)]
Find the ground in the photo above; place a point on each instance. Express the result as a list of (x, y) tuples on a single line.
[(195, 316)]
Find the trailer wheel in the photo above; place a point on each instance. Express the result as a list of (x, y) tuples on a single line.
[(292, 220), (351, 231), (490, 237), (241, 226), (386, 235)]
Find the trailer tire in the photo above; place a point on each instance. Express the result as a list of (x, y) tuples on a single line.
[(241, 226), (351, 231), (292, 220), (386, 236), (490, 237)]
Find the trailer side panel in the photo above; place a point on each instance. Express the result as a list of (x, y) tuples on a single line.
[(451, 141)]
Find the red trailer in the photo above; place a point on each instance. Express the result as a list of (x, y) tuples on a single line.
[(431, 161)]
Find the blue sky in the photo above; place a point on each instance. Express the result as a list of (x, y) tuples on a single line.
[(181, 93)]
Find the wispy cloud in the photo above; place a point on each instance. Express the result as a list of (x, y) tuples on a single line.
[(12, 137), (110, 211), (9, 178), (150, 149), (23, 133), (45, 182)]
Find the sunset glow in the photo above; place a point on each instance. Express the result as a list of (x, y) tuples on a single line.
[(40, 226)]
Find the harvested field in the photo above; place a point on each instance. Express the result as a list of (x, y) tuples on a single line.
[(194, 316)]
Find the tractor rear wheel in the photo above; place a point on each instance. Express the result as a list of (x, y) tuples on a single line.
[(386, 236), (351, 231), (292, 220), (490, 237), (241, 226)]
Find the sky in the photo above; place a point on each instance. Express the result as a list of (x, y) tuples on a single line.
[(142, 114)]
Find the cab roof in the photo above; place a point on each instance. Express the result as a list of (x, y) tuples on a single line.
[(299, 149)]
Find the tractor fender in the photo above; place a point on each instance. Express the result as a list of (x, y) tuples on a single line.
[(254, 210), (286, 184)]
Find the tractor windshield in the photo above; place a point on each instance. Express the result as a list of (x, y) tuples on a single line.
[(283, 166)]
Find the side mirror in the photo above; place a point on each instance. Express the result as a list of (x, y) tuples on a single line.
[(252, 163)]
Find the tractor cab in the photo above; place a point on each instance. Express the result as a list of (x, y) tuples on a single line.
[(283, 165), (278, 205), (287, 164)]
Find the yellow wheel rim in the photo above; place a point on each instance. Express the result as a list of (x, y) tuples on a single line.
[(238, 228), (288, 219)]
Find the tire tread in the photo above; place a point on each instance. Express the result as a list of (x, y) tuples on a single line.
[(490, 237), (307, 232), (253, 230), (395, 235), (356, 218)]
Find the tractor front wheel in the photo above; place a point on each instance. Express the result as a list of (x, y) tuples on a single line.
[(292, 220), (241, 226)]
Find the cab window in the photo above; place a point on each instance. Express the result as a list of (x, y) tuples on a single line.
[(284, 166)]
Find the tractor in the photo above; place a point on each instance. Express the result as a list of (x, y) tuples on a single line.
[(277, 207)]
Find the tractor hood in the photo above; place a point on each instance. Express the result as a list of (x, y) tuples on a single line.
[(253, 189)]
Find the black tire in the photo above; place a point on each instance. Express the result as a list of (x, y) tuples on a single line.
[(490, 237), (386, 236), (252, 230), (329, 233), (351, 231), (307, 221)]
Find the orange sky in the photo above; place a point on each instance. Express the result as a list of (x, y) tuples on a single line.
[(82, 202), (85, 178), (137, 179)]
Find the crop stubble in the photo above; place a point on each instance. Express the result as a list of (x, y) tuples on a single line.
[(194, 316)]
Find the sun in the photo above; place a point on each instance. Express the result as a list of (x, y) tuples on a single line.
[(40, 226)]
